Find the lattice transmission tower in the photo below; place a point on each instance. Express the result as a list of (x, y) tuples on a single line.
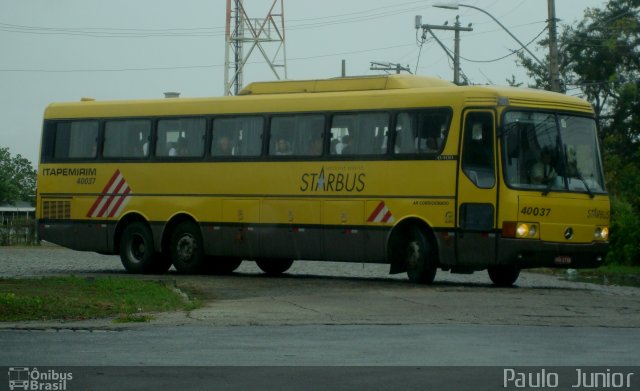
[(245, 35)]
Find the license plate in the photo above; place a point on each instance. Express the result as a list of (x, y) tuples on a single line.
[(562, 260)]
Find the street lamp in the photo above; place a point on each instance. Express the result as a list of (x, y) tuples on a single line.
[(455, 6)]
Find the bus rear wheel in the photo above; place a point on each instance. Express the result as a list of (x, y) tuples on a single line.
[(274, 267), (136, 248), (186, 248), (418, 255), (503, 275)]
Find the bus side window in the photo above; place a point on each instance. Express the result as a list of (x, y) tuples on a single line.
[(359, 133), (237, 136), (71, 140), (298, 135), (422, 132), (181, 137), (126, 138)]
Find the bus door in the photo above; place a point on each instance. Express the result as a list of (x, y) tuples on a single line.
[(477, 190)]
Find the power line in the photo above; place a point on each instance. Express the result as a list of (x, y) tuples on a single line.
[(135, 69), (106, 32), (357, 12), (507, 55)]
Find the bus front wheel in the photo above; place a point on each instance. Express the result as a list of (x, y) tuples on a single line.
[(503, 275), (186, 248), (273, 267), (419, 258), (136, 248)]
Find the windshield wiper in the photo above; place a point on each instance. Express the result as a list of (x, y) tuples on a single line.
[(548, 189), (584, 182)]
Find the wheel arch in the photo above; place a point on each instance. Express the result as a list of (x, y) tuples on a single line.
[(399, 230)]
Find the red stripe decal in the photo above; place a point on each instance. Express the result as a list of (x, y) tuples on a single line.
[(376, 211), (105, 207), (119, 202)]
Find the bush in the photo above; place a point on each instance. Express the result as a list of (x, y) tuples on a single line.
[(625, 233)]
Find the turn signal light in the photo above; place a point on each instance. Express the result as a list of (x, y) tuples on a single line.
[(509, 229)]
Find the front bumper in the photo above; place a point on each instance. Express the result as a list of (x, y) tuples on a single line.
[(535, 253)]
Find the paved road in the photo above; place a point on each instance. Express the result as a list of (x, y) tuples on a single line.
[(336, 314), (320, 345)]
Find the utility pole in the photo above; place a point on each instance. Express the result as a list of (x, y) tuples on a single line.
[(456, 52), (388, 66), (554, 71)]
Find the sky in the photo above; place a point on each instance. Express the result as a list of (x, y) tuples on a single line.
[(62, 50)]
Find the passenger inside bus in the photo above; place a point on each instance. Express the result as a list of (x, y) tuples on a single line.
[(283, 147), (223, 147), (346, 145), (179, 148)]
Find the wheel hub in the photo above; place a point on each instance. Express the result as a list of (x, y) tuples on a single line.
[(413, 254), (137, 248), (186, 248)]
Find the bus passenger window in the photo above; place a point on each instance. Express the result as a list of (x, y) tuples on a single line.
[(181, 137), (422, 132), (297, 135), (75, 140), (126, 138), (237, 136), (359, 133)]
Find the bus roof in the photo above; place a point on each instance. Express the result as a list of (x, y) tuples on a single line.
[(341, 84), (352, 93)]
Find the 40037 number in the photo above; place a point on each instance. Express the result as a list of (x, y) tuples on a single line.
[(86, 181), (535, 211)]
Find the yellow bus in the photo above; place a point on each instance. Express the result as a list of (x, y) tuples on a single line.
[(410, 171)]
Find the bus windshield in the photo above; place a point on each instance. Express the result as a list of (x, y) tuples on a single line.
[(551, 152)]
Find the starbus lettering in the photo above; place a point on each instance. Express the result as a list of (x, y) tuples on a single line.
[(332, 182), (598, 214), (69, 171)]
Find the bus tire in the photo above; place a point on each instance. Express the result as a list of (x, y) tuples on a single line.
[(274, 267), (185, 248), (221, 266), (136, 248), (419, 258), (503, 275)]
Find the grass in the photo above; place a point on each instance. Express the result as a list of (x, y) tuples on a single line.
[(75, 298)]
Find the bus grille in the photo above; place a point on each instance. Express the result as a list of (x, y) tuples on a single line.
[(56, 209)]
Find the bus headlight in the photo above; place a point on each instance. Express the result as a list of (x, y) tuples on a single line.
[(527, 230), (601, 233)]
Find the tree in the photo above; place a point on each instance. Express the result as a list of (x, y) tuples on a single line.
[(599, 56), (17, 178), (512, 82)]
